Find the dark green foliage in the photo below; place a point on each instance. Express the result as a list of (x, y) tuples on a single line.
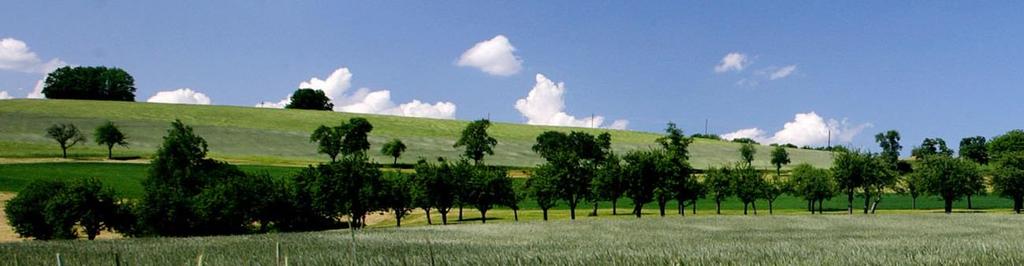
[(643, 170), (356, 140), (948, 178), (489, 187), (1012, 141), (675, 142), (476, 141), (780, 157), (310, 99), (440, 190), (865, 171), (577, 156), (747, 151), (328, 140), (397, 195), (974, 149), (609, 182), (1007, 153), (90, 83), (748, 185), (706, 136), (745, 140), (67, 135), (930, 147), (543, 187), (718, 182), (108, 134), (393, 148), (350, 187), (54, 209), (812, 184)]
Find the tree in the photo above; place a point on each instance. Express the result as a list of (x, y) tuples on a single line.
[(439, 188), (889, 141), (912, 185), (771, 190), (489, 187), (476, 141), (90, 83), (748, 186), (947, 177), (89, 204), (398, 196), (812, 184), (719, 184), (745, 140), (1007, 154), (609, 183), (543, 187), (394, 149), (26, 212), (349, 187), (67, 135), (848, 170), (641, 171), (356, 140), (931, 146), (974, 149), (328, 140), (747, 151), (577, 155), (108, 134), (310, 99), (779, 158), (675, 142)]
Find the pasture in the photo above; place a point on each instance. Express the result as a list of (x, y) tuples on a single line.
[(984, 239)]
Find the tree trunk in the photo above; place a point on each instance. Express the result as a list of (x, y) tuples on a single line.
[(661, 207), (460, 212), (770, 207), (483, 216), (849, 200), (637, 208), (745, 208), (64, 150), (398, 220), (427, 210), (693, 205), (718, 206), (820, 210), (594, 212), (867, 201), (969, 205), (810, 206), (913, 204), (1018, 203), (948, 204), (680, 208), (572, 210), (444, 217), (515, 213), (545, 211), (753, 205), (874, 205), (110, 152), (615, 201)]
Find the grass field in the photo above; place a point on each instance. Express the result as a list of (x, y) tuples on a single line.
[(977, 239), (280, 137)]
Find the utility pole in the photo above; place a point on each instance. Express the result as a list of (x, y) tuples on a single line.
[(705, 127), (591, 120), (830, 139)]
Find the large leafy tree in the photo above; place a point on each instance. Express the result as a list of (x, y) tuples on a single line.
[(675, 142), (476, 141), (577, 155), (609, 183), (489, 187), (1007, 154), (849, 171), (780, 157), (930, 147), (974, 149), (356, 140), (90, 83), (310, 99), (543, 187), (439, 187), (328, 140), (812, 184), (642, 170), (109, 134), (26, 212), (748, 186), (948, 178), (393, 149), (350, 187), (719, 185), (67, 135), (889, 141)]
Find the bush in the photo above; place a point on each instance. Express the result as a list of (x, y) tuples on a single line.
[(310, 99), (745, 140)]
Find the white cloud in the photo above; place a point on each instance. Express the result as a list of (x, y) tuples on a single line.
[(732, 62), (15, 55), (367, 101), (5, 96), (183, 96), (37, 91), (545, 105), (495, 56), (805, 129), (782, 72)]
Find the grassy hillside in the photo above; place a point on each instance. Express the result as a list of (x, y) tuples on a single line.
[(280, 137), (928, 239)]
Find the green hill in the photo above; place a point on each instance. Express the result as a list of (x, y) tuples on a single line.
[(280, 137)]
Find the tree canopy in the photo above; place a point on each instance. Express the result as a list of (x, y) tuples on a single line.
[(90, 83), (476, 141), (109, 134), (310, 99), (67, 135)]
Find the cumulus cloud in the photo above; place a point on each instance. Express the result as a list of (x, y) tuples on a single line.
[(782, 72), (545, 105), (182, 96), (37, 91), (15, 55), (805, 129), (336, 86), (732, 62), (5, 96), (495, 56)]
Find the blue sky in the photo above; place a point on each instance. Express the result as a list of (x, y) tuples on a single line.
[(927, 69)]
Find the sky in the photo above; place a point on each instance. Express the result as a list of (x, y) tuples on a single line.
[(776, 71)]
